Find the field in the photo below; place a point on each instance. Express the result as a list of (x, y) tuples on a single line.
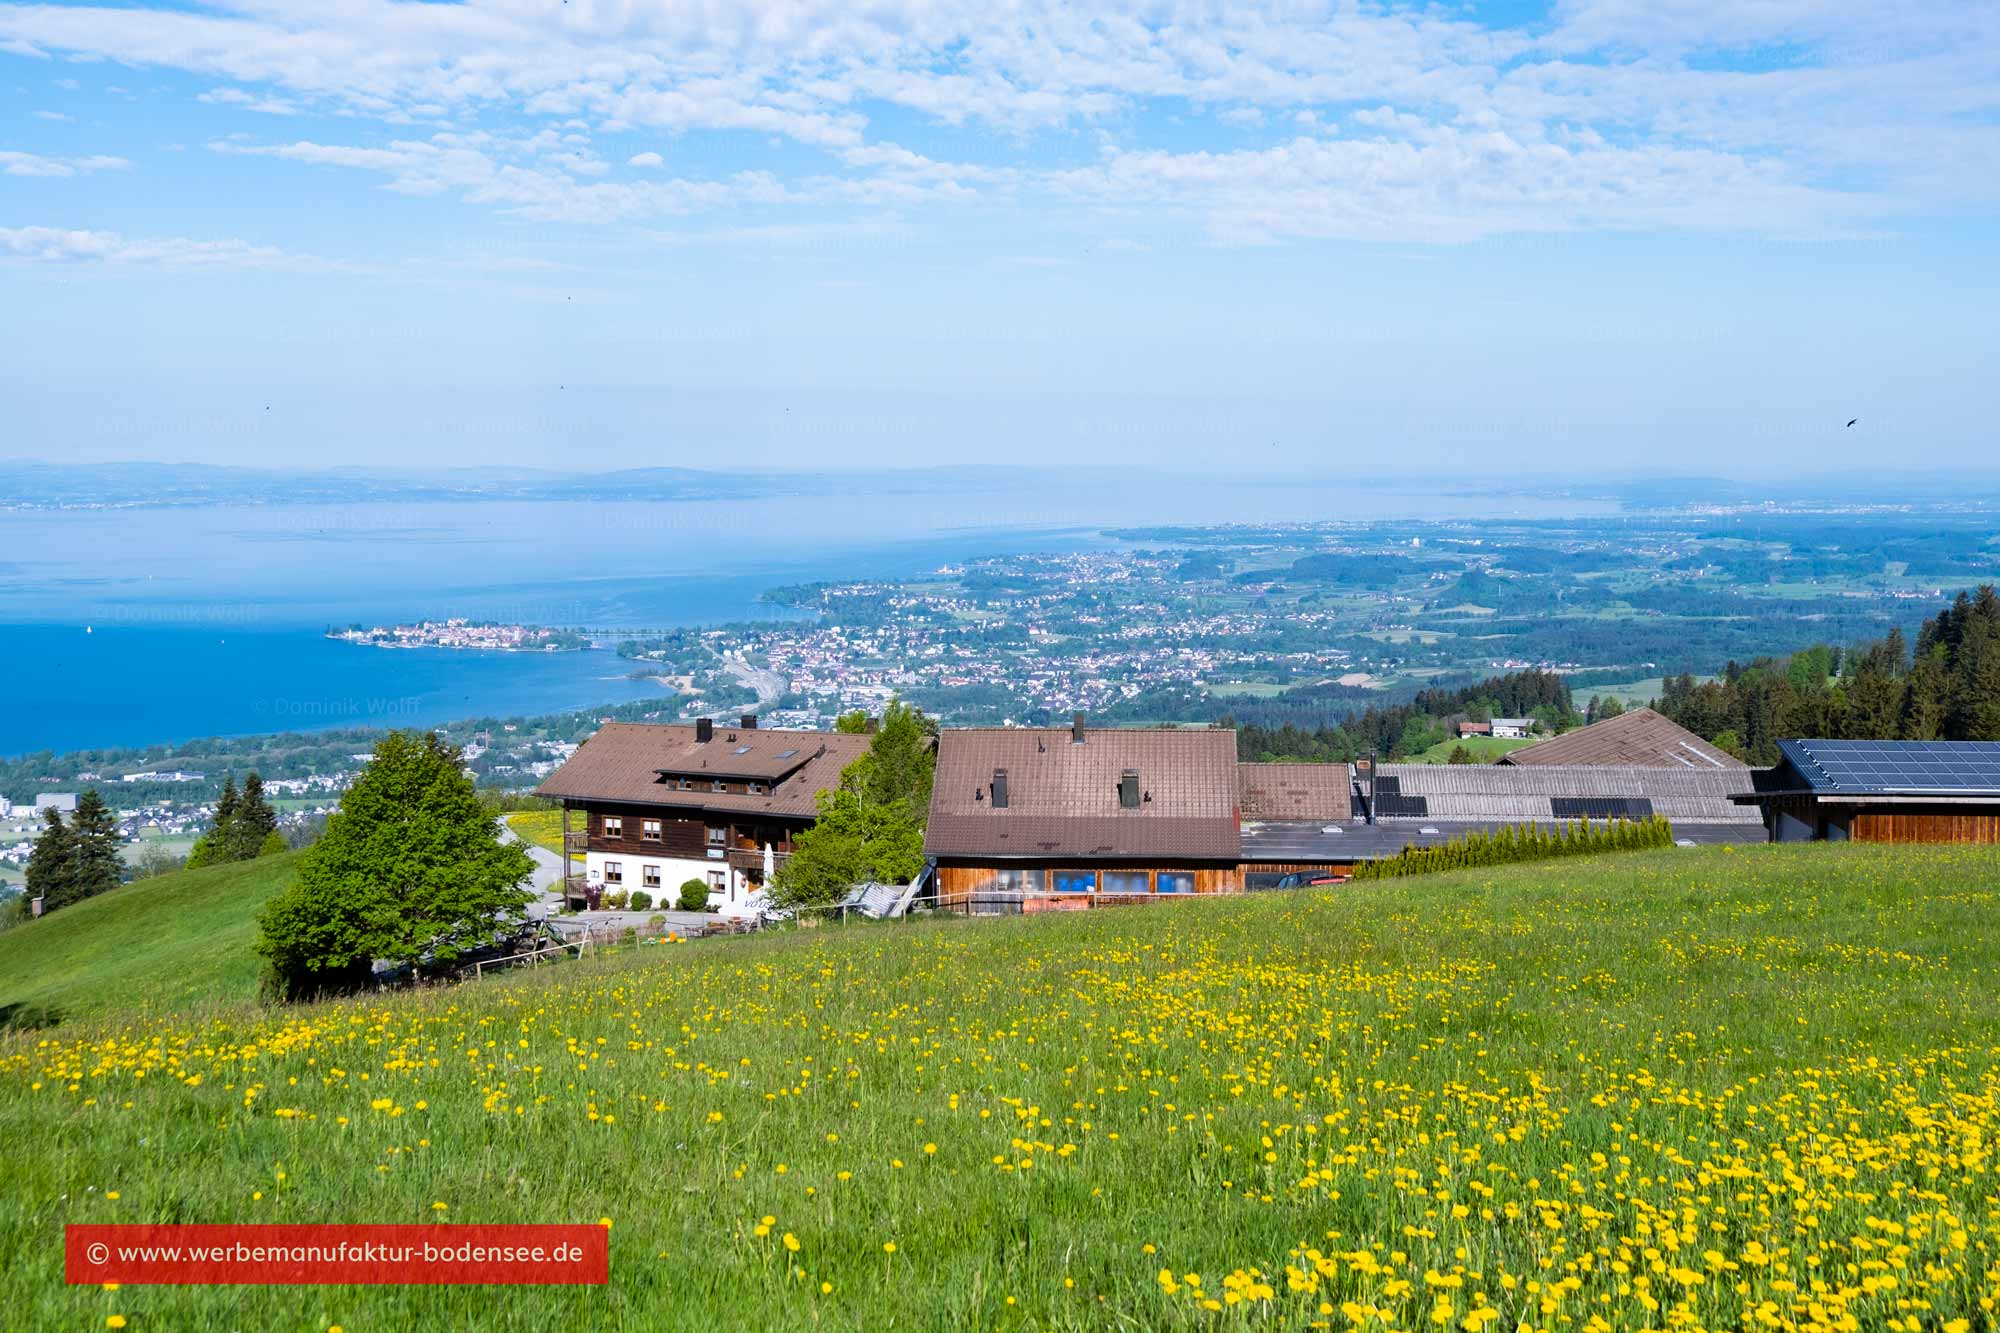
[(541, 827), (1485, 749), (1700, 1088), (159, 945)]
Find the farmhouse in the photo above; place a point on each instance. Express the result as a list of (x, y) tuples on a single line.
[(1038, 819), (1333, 816), (1641, 738), (1881, 791), (650, 807)]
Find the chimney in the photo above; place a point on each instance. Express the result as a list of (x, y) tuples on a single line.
[(1366, 770), (1076, 728), (1128, 789), (749, 722), (704, 730), (999, 789)]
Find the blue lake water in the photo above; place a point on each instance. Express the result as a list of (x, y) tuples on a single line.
[(209, 621)]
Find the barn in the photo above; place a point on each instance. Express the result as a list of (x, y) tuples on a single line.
[(1881, 791)]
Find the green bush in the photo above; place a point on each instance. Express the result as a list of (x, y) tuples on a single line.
[(641, 900), (694, 895), (1528, 842), (615, 901)]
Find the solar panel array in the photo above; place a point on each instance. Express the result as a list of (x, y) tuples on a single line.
[(1898, 766)]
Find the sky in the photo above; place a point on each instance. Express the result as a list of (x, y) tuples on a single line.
[(1595, 235)]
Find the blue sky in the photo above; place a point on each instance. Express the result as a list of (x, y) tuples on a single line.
[(1601, 234)]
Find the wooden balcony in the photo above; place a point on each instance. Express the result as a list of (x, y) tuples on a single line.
[(748, 859), (576, 840)]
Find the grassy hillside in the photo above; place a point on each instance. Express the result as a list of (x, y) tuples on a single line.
[(1485, 749), (162, 944), (1699, 1088)]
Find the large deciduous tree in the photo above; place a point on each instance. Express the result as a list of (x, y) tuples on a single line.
[(410, 869)]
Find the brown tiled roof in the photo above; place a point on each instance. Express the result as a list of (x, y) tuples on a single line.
[(1296, 791), (1062, 798), (1641, 738), (623, 762)]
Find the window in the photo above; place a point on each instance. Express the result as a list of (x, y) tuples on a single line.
[(718, 785), (1127, 881), (717, 881), (684, 784), (614, 872), (1021, 881), (614, 826), (1076, 881), (1176, 881), (650, 876), (718, 836), (756, 789), (650, 830)]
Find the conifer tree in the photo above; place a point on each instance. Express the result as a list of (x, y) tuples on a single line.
[(252, 822), (94, 848), (51, 865)]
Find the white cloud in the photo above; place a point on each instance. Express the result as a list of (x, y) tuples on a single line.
[(56, 245), (1781, 115), (31, 164), (1453, 186)]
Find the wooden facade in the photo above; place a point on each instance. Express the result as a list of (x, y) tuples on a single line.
[(1909, 826)]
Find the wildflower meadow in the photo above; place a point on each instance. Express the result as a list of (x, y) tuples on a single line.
[(1672, 1089)]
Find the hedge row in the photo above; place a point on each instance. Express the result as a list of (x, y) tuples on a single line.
[(1528, 842)]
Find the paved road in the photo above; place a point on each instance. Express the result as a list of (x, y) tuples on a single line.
[(546, 877)]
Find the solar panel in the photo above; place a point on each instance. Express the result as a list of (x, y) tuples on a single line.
[(1898, 766)]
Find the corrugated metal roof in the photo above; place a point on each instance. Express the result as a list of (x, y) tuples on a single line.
[(1062, 798), (1500, 792), (1641, 738), (1292, 842), (623, 761)]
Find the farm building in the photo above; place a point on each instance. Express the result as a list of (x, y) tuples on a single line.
[(1881, 791), (1331, 816), (1641, 738), (650, 807), (1036, 819)]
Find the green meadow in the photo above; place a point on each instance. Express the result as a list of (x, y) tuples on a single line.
[(1696, 1088)]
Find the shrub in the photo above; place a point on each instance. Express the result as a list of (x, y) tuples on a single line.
[(641, 900), (615, 901), (694, 895), (1526, 843)]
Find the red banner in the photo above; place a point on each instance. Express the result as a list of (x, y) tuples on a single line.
[(364, 1254)]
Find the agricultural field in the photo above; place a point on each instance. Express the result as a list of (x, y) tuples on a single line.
[(1693, 1089), (540, 827)]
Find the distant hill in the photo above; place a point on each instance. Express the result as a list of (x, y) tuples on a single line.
[(166, 944), (33, 484)]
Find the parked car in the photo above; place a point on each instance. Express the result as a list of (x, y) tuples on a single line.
[(1310, 879)]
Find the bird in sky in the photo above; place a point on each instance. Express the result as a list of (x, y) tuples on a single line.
[(1850, 423)]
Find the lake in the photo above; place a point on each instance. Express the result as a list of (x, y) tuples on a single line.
[(209, 621)]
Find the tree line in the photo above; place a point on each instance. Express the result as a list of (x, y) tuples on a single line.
[(1402, 730), (1945, 686)]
